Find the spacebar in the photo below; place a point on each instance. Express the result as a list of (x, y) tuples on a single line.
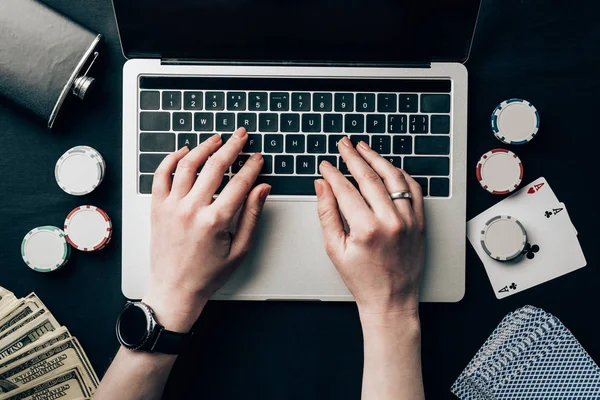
[(289, 185)]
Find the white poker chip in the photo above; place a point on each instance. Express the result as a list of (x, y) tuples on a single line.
[(499, 171), (45, 249), (88, 228), (79, 171), (515, 121), (503, 238)]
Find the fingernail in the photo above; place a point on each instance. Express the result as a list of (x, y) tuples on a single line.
[(241, 132), (256, 156), (363, 145), (184, 149), (346, 141), (326, 163), (264, 194), (215, 138), (318, 187)]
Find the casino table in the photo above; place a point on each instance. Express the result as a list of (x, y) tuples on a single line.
[(540, 50)]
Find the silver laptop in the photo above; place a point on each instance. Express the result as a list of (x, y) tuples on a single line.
[(299, 75)]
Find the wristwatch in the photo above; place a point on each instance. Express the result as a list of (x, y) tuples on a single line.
[(138, 329)]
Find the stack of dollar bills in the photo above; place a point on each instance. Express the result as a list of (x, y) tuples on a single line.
[(39, 359)]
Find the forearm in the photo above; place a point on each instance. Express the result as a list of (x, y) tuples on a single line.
[(392, 366)]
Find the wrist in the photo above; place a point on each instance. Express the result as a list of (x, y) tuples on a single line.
[(391, 320), (175, 312)]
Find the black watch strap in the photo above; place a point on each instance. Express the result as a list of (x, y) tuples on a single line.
[(168, 342)]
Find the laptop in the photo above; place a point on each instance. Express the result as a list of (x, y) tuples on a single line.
[(299, 75)]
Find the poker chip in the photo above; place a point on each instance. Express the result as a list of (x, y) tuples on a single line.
[(80, 170), (503, 238), (88, 228), (499, 171), (515, 121), (45, 249)]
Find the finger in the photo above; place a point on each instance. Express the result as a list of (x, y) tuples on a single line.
[(393, 178), (369, 181), (329, 216), (417, 198), (350, 201), (248, 221), (212, 174), (161, 185), (187, 168), (233, 195)]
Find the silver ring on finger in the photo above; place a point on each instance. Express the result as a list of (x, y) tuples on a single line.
[(400, 195)]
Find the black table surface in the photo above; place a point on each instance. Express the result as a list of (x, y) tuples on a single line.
[(540, 50)]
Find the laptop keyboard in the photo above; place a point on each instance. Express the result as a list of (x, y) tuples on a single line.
[(297, 123)]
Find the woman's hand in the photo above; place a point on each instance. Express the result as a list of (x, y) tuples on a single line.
[(381, 257), (194, 247)]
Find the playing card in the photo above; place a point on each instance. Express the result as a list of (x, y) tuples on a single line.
[(553, 209), (552, 250)]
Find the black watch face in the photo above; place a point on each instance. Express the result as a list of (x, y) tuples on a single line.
[(132, 325)]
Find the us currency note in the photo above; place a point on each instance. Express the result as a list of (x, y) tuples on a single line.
[(42, 312), (22, 310), (67, 385), (47, 341), (4, 292), (28, 334), (40, 366)]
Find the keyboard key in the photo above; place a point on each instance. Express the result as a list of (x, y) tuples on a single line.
[(435, 103), (354, 123), (375, 123), (386, 102), (149, 100), (257, 101), (146, 184), (182, 121), (247, 120), (215, 101), (294, 143), (343, 167), (187, 139), (311, 122), (192, 100), (402, 145), (205, 136), (333, 143), (315, 144), (203, 122), (290, 122), (439, 187), (225, 137), (436, 145), (236, 101), (280, 101), (381, 144), (289, 185), (408, 102), (322, 102), (149, 162), (254, 144), (332, 123), (300, 101), (267, 165), (397, 123), (284, 164), (157, 142), (273, 143), (171, 100), (424, 184), (225, 122), (344, 102), (435, 166), (331, 159), (267, 122), (305, 165), (440, 124), (395, 161), (155, 121), (355, 139), (365, 102), (239, 163), (418, 123)]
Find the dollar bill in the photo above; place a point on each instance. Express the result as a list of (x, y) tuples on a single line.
[(49, 340), (42, 312), (22, 310), (40, 366), (27, 334), (4, 292), (67, 385), (7, 303)]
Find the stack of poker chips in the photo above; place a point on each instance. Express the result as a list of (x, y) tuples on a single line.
[(86, 228)]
